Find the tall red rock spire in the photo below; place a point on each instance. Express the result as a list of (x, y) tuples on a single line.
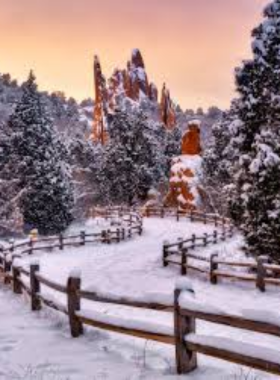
[(100, 133), (167, 112)]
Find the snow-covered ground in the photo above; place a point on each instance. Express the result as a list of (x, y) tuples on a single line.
[(41, 343)]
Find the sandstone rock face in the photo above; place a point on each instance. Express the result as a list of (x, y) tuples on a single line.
[(99, 132), (130, 84), (153, 93), (191, 139), (167, 111), (184, 187)]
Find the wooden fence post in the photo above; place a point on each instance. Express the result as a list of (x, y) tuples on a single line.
[(204, 218), (129, 233), (118, 235), (61, 245), (193, 241), (261, 272), (215, 237), (178, 215), (216, 220), (213, 267), (205, 239), (83, 237), (223, 238), (165, 253), (186, 360), (180, 243), (74, 305), (16, 282), (191, 215), (12, 245), (34, 287), (123, 233), (108, 237), (162, 212), (31, 246), (103, 236), (184, 262), (7, 269)]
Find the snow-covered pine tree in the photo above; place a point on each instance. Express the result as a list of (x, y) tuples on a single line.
[(10, 215), (172, 145), (257, 141), (86, 159), (218, 160), (131, 164), (38, 159)]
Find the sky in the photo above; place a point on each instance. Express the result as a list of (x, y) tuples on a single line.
[(192, 45)]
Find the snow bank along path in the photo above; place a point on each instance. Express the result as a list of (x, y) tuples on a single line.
[(130, 325)]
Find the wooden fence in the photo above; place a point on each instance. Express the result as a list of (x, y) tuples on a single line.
[(192, 215), (182, 247), (189, 343), (182, 335), (260, 271), (125, 224)]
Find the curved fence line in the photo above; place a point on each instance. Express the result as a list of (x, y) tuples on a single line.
[(182, 335), (131, 220)]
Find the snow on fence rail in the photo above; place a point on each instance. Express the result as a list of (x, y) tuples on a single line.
[(193, 215), (131, 220), (260, 271), (180, 249), (186, 310), (189, 343)]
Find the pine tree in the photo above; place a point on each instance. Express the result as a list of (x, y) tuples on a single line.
[(131, 164), (172, 146), (38, 159), (10, 215), (256, 141), (218, 159)]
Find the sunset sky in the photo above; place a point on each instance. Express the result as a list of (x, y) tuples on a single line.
[(193, 45)]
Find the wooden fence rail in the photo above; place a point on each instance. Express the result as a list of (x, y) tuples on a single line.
[(183, 334), (259, 271), (193, 215), (189, 343), (132, 222)]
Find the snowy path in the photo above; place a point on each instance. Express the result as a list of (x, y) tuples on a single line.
[(129, 268), (37, 346)]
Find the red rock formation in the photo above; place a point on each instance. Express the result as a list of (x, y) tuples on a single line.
[(131, 83), (167, 111), (137, 76), (99, 133), (184, 188), (153, 93), (137, 59), (191, 139)]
